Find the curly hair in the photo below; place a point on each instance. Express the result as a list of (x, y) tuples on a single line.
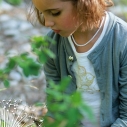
[(89, 12)]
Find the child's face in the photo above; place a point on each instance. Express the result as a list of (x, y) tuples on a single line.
[(60, 16)]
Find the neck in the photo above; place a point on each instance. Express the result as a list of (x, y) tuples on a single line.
[(89, 35), (84, 41), (82, 37)]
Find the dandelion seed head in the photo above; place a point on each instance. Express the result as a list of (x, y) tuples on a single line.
[(11, 116)]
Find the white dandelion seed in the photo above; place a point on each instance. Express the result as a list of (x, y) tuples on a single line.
[(11, 116)]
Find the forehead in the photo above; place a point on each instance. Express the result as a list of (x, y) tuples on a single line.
[(47, 4)]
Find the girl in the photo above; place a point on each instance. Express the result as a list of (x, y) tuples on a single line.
[(91, 48)]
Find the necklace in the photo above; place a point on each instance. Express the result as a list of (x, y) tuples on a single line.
[(90, 39)]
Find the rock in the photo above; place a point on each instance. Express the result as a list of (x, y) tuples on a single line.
[(4, 18), (15, 76), (12, 52), (25, 26), (25, 47), (3, 63), (10, 24), (1, 59), (2, 50), (11, 32), (5, 6), (13, 83)]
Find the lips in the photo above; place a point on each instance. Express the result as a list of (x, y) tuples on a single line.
[(56, 31)]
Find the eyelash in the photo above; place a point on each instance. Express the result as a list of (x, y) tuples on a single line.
[(55, 14)]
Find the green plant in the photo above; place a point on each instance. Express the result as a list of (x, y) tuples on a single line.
[(30, 65), (123, 2), (124, 8), (66, 110), (14, 2)]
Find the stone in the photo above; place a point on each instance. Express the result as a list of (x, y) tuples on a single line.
[(25, 26), (25, 47), (4, 18), (11, 32), (11, 24), (15, 76), (5, 6)]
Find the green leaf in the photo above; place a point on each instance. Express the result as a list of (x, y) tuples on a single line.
[(39, 104), (64, 83), (76, 99), (31, 69), (49, 53), (6, 83), (14, 2), (87, 111), (50, 40), (39, 41), (1, 73), (10, 65), (42, 57), (73, 112), (24, 55), (28, 65)]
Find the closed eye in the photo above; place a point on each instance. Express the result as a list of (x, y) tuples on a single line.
[(52, 13), (56, 13), (40, 13)]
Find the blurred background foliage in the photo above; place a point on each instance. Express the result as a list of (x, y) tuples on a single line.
[(122, 2), (14, 2)]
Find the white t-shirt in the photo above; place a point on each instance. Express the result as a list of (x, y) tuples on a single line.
[(86, 78)]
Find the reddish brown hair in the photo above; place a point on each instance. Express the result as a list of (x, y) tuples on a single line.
[(89, 12)]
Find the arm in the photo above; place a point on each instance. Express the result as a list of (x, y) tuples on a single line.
[(119, 123), (122, 120)]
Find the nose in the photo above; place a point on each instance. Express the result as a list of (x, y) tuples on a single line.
[(49, 23)]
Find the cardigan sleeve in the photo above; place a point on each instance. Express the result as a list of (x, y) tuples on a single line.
[(119, 123), (122, 120)]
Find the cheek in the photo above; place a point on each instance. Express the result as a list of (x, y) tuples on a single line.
[(68, 21)]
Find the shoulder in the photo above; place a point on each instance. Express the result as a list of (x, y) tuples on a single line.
[(120, 37), (118, 30), (117, 19), (119, 24)]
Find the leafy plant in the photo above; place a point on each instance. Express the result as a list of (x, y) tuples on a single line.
[(30, 64), (14, 2), (66, 110), (123, 2), (29, 67)]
